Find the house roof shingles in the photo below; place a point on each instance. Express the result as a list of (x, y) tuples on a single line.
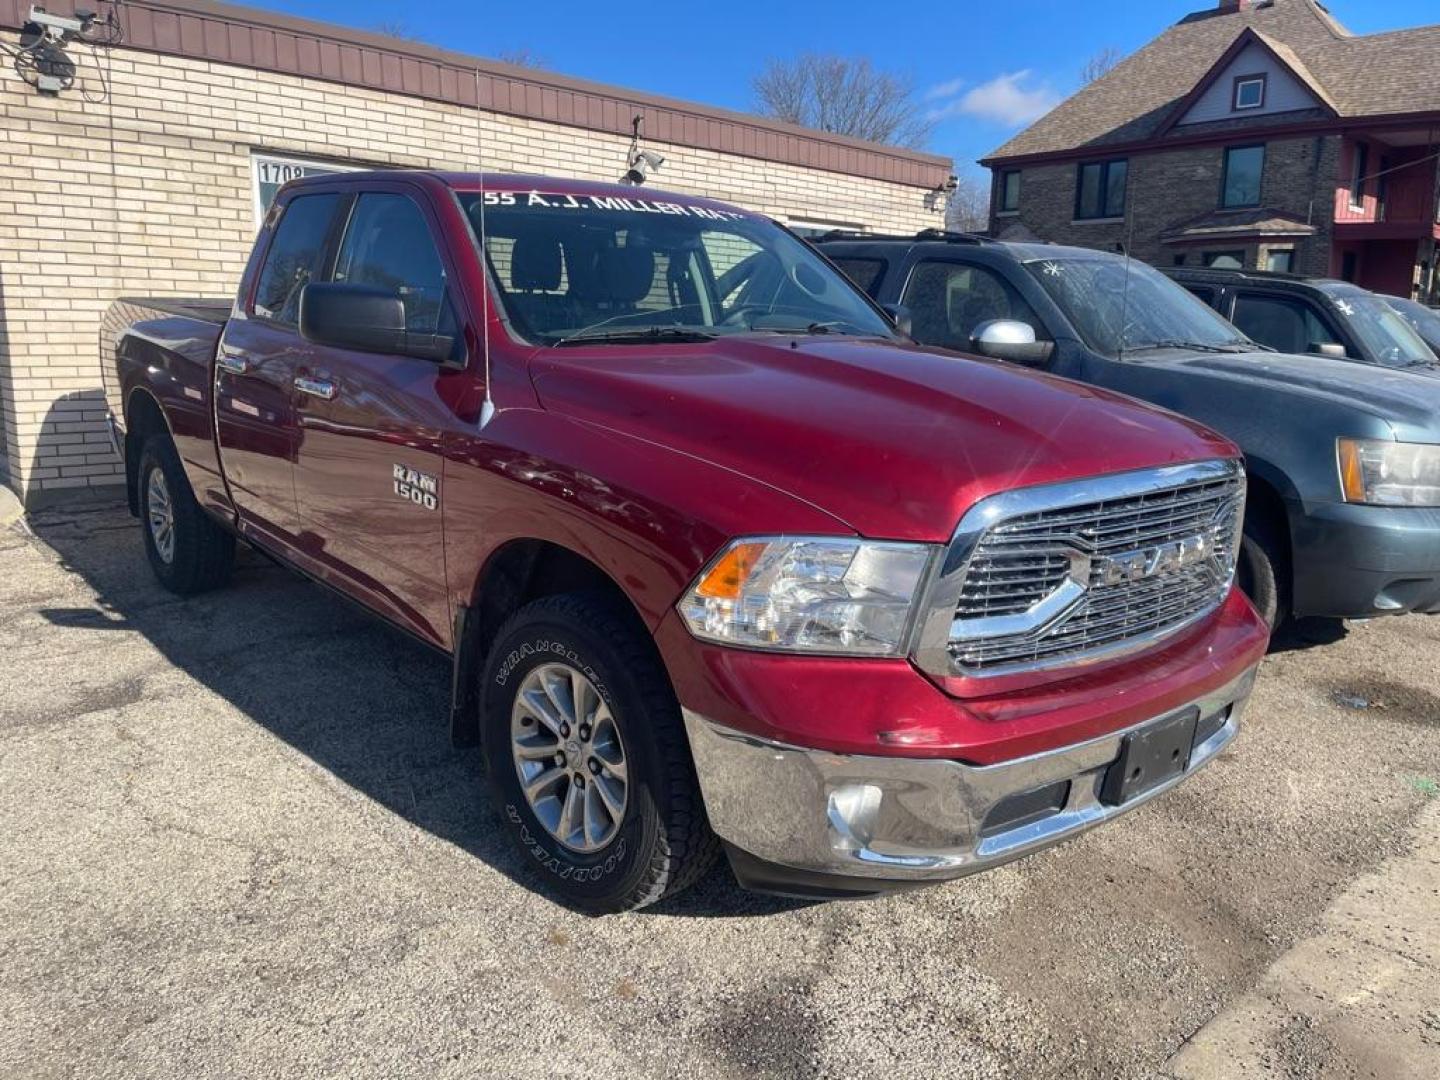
[(1391, 73), (1261, 221)]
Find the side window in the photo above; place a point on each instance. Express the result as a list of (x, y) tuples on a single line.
[(388, 245), (294, 256), (947, 301), (1282, 323), (1208, 293), (867, 273)]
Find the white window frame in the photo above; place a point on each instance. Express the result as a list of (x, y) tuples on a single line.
[(1241, 84), (259, 157)]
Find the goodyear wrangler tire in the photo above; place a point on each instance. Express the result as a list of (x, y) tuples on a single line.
[(588, 759), (188, 552)]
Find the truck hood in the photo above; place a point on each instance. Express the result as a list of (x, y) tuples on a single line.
[(896, 441), (1404, 398)]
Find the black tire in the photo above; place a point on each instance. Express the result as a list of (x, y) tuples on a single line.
[(662, 843), (1263, 572), (200, 552)]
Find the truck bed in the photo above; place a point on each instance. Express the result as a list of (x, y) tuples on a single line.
[(166, 345), (211, 309)]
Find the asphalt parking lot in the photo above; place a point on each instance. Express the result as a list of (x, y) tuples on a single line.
[(237, 842)]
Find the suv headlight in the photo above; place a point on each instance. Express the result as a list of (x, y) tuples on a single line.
[(809, 594), (1389, 473)]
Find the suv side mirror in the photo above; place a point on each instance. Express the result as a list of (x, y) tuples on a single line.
[(1010, 339), (366, 318), (1328, 348), (900, 316)]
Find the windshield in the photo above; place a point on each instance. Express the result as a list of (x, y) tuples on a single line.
[(576, 268), (1121, 305), (1423, 320), (1383, 331)]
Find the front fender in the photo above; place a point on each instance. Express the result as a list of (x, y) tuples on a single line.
[(649, 517)]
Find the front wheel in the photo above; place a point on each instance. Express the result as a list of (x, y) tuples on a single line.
[(1261, 573), (589, 763), (188, 552)]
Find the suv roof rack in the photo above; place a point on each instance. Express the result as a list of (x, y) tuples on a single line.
[(945, 235), (1231, 271)]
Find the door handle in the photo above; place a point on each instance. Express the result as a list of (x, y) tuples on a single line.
[(234, 363), (321, 388)]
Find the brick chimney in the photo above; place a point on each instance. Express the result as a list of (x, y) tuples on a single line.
[(1234, 5)]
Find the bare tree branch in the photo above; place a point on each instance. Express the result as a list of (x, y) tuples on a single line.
[(1100, 64), (969, 207), (397, 28), (842, 95), (522, 57)]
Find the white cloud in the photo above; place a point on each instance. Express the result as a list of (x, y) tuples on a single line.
[(944, 90), (1011, 100)]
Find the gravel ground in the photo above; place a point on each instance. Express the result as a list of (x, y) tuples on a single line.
[(235, 841)]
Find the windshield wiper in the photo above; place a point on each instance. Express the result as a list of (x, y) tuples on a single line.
[(834, 326), (639, 335), (1198, 346)]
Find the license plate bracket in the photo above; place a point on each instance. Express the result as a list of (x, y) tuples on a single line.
[(1149, 757)]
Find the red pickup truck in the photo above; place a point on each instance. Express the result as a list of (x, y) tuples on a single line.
[(721, 558)]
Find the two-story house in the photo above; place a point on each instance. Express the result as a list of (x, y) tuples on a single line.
[(1258, 134)]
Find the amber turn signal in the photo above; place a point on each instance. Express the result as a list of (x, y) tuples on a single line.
[(727, 577), (1352, 473)]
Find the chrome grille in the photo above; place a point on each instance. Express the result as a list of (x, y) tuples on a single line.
[(1081, 570)]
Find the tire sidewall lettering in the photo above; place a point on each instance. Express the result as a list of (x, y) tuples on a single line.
[(557, 863)]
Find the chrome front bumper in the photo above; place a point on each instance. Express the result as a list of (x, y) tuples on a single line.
[(911, 819)]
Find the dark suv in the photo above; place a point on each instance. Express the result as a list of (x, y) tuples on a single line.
[(1343, 515), (1425, 321), (1311, 315)]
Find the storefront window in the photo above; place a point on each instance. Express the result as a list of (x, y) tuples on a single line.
[(272, 171)]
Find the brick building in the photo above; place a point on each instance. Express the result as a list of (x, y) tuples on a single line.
[(150, 173), (1257, 133)]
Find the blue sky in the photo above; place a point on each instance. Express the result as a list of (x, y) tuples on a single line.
[(984, 69)]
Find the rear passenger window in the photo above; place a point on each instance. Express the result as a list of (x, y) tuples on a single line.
[(1204, 292), (867, 273), (1282, 323), (294, 256), (947, 301), (388, 245)]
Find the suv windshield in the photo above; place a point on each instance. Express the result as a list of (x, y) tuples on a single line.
[(1122, 305), (578, 268), (1383, 330), (1425, 321)]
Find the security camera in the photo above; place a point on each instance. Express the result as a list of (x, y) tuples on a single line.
[(642, 163), (60, 27)]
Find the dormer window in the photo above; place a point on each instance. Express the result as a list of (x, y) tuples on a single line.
[(1249, 92)]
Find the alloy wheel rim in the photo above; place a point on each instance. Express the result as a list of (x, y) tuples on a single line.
[(570, 757), (161, 512)]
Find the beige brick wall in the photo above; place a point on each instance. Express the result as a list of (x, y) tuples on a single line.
[(149, 191)]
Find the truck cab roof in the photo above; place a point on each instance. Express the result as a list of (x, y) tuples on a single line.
[(474, 182)]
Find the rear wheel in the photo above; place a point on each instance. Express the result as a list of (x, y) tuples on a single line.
[(589, 763), (188, 551)]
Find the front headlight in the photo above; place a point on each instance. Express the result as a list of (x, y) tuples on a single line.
[(813, 594), (1389, 473)]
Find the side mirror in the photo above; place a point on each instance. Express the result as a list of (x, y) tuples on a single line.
[(900, 316), (1328, 348), (1012, 340), (367, 319)]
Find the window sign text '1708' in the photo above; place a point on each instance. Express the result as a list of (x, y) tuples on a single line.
[(547, 200)]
